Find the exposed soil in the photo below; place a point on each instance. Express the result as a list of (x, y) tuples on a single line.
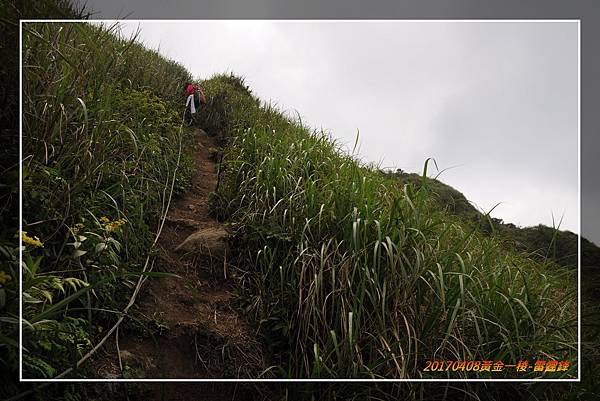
[(197, 332)]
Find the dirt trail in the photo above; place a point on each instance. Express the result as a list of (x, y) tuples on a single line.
[(197, 333)]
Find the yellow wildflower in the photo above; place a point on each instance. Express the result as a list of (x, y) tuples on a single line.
[(4, 278), (114, 225), (104, 219), (35, 241)]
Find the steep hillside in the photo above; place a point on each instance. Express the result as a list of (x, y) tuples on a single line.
[(102, 153), (354, 274), (335, 269)]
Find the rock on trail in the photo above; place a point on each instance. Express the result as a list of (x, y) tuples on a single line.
[(211, 242)]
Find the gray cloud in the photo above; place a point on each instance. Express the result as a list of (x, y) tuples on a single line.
[(498, 99)]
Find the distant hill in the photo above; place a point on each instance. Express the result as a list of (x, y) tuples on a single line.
[(541, 241)]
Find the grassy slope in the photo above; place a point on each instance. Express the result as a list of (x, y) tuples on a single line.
[(101, 139), (278, 154), (350, 273)]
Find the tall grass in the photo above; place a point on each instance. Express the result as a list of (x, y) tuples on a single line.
[(101, 133), (351, 274), (10, 12)]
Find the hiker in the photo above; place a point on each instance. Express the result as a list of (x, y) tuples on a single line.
[(195, 96), (192, 99)]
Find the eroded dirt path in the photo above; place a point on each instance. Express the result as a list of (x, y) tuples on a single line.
[(196, 331)]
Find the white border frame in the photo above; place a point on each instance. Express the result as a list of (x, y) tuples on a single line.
[(548, 380)]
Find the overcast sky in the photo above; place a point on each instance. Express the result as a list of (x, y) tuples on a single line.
[(495, 102)]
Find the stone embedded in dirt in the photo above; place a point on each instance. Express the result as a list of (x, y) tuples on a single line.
[(127, 357), (210, 242)]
